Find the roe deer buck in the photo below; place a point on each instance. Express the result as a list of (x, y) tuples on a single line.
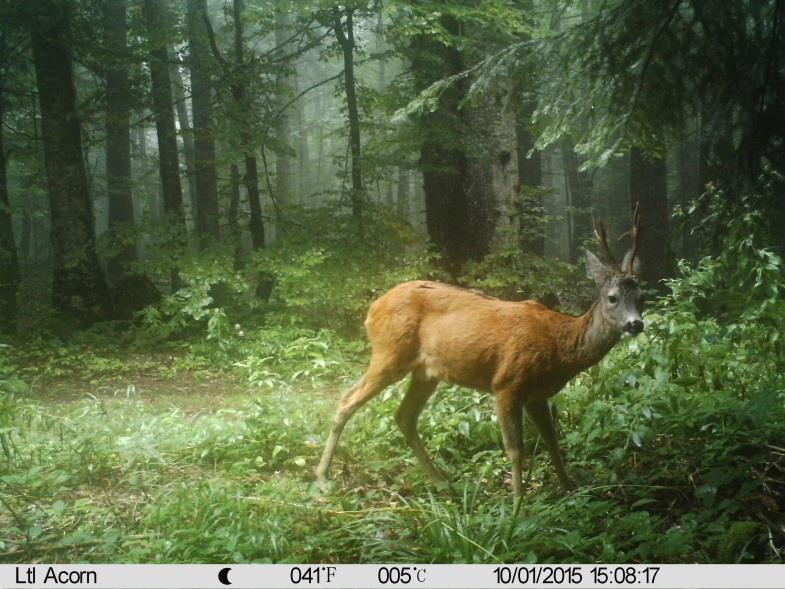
[(521, 351)]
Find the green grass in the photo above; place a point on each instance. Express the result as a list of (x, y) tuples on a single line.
[(200, 466), (118, 448)]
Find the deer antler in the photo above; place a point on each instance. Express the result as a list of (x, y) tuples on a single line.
[(633, 233), (602, 237)]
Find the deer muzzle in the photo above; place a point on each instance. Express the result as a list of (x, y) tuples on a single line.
[(634, 326)]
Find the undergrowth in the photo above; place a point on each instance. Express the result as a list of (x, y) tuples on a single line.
[(675, 439)]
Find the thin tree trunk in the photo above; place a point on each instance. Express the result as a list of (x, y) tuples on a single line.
[(207, 218), (25, 251), (240, 94), (320, 141), (79, 286), (404, 192), (168, 160), (648, 187), (283, 126), (118, 134), (234, 199), (186, 131), (346, 41), (304, 160), (578, 199)]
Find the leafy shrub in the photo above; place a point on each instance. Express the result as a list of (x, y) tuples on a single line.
[(512, 274), (327, 272)]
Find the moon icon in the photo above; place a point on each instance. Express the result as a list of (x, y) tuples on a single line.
[(223, 576)]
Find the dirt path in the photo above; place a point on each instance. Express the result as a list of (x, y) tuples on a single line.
[(190, 391)]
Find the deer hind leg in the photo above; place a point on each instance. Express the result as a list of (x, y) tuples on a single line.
[(540, 413), (420, 390), (378, 376), (510, 411)]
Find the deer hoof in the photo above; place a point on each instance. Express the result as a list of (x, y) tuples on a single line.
[(323, 484)]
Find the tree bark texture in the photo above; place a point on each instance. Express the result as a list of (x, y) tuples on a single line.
[(207, 217), (240, 95), (186, 130), (648, 187), (118, 133), (456, 229), (169, 165), (79, 286), (493, 166)]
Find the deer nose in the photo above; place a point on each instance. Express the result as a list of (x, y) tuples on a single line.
[(634, 327)]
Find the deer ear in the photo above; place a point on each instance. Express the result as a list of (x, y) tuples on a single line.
[(596, 269), (635, 270)]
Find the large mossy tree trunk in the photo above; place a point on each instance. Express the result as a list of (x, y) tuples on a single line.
[(118, 135), (454, 218), (79, 286), (206, 181)]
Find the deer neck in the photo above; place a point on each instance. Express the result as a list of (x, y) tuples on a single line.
[(593, 336)]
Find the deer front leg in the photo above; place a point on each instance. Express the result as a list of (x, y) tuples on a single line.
[(510, 412), (372, 382), (540, 413)]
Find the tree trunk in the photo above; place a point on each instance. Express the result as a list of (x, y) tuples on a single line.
[(346, 41), (118, 134), (9, 263), (531, 236), (648, 187), (207, 218), (168, 161), (240, 94), (455, 219), (493, 167), (404, 192), (283, 126), (79, 286), (234, 200), (186, 131), (304, 172), (578, 185)]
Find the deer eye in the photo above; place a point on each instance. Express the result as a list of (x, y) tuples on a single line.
[(613, 299)]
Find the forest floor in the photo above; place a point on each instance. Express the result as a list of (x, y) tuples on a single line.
[(134, 458), (191, 391), (118, 455)]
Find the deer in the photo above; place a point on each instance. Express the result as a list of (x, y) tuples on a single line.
[(520, 351)]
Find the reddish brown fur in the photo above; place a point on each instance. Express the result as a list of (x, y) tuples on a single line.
[(465, 338), (521, 351)]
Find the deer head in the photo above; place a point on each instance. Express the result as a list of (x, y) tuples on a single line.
[(620, 293)]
